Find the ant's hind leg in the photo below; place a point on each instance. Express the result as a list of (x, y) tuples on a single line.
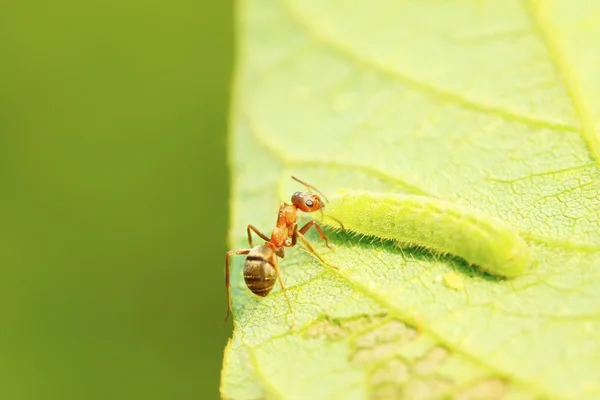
[(283, 289), (318, 228), (230, 253), (259, 233)]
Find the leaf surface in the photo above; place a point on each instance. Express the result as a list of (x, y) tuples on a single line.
[(494, 105)]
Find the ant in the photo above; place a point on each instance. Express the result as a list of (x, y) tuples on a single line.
[(261, 267)]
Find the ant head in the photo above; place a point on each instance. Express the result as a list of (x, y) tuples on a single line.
[(307, 201)]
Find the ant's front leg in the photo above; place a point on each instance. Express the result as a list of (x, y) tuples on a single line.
[(318, 228), (273, 261), (297, 235), (259, 233)]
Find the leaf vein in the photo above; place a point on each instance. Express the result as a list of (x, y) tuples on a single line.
[(422, 86), (415, 320), (543, 25), (286, 160)]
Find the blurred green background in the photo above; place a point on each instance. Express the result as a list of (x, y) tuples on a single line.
[(113, 211)]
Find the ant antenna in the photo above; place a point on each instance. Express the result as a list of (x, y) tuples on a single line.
[(309, 186), (338, 221)]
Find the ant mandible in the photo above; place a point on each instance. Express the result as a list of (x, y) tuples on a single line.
[(261, 266)]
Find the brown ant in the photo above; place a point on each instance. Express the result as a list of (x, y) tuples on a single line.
[(261, 267)]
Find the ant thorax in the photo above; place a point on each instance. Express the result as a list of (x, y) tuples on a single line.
[(279, 235)]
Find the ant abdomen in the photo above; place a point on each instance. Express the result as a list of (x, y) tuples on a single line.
[(259, 271)]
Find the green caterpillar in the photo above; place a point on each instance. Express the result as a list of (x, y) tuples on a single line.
[(444, 227)]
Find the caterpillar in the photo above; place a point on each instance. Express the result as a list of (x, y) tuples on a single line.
[(441, 226)]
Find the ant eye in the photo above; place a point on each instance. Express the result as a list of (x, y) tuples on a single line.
[(309, 203)]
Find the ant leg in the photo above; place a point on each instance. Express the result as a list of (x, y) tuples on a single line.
[(283, 289), (280, 252), (318, 228), (230, 253), (310, 248), (255, 230), (294, 235), (335, 219)]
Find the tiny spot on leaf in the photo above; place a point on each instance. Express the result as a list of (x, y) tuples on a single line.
[(453, 281)]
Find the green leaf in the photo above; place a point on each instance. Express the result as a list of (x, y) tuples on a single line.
[(494, 105)]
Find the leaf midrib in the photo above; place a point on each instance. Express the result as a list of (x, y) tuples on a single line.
[(405, 77), (536, 10), (282, 156), (409, 319)]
